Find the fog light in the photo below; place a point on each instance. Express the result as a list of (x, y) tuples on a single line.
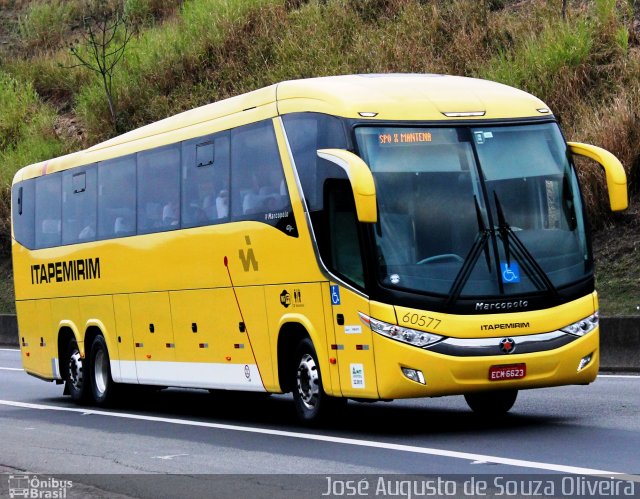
[(584, 361), (414, 375)]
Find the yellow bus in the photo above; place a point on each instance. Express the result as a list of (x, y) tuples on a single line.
[(366, 237)]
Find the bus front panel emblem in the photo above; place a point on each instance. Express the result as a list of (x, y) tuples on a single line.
[(507, 345)]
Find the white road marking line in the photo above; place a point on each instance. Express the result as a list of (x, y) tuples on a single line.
[(169, 457), (11, 369), (325, 438), (9, 349)]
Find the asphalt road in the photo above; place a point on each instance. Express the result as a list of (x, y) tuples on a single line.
[(184, 443)]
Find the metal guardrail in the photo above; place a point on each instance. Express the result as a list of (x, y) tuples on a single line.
[(619, 341)]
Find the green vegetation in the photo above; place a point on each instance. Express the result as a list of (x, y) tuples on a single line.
[(188, 53), (44, 25), (6, 288), (26, 127)]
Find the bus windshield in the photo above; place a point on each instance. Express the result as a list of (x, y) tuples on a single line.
[(475, 211)]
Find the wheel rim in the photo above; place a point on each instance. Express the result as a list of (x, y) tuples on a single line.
[(76, 377), (308, 381), (100, 371)]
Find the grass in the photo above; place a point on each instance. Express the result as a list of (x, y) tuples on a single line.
[(617, 252), (45, 25), (26, 127), (16, 101), (619, 293), (162, 58), (190, 52), (7, 303)]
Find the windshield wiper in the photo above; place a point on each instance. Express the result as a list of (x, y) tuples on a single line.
[(521, 253), (503, 229), (481, 243), (485, 232)]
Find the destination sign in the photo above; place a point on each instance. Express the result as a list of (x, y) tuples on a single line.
[(404, 138)]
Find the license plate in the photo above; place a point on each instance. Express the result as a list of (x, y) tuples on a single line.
[(511, 371)]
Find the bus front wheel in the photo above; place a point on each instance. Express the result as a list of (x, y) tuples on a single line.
[(102, 385), (491, 403), (310, 400), (75, 374)]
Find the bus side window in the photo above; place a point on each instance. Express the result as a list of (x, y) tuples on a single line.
[(48, 210), (308, 132), (117, 198), (257, 179), (23, 200), (159, 189), (79, 208), (205, 180)]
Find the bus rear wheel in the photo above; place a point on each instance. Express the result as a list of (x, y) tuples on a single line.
[(491, 403), (102, 385), (75, 374), (311, 402)]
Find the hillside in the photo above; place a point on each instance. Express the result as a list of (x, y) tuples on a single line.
[(584, 63)]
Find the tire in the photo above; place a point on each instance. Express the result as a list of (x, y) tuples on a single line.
[(491, 403), (75, 374), (311, 402), (103, 387)]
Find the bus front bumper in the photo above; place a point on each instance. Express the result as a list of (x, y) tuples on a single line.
[(455, 375)]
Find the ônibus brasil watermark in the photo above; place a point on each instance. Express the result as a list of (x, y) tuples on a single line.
[(33, 487)]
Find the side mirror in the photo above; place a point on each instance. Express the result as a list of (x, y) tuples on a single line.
[(616, 177), (361, 179)]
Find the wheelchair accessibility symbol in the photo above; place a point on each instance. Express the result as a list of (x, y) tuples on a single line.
[(510, 273), (335, 295)]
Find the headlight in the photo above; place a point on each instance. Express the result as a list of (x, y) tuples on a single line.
[(583, 326), (406, 335)]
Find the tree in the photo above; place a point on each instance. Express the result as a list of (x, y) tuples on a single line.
[(105, 36)]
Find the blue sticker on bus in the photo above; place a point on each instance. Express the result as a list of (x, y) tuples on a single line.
[(510, 272), (335, 294)]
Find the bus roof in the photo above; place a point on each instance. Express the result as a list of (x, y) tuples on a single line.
[(424, 97), (407, 97)]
